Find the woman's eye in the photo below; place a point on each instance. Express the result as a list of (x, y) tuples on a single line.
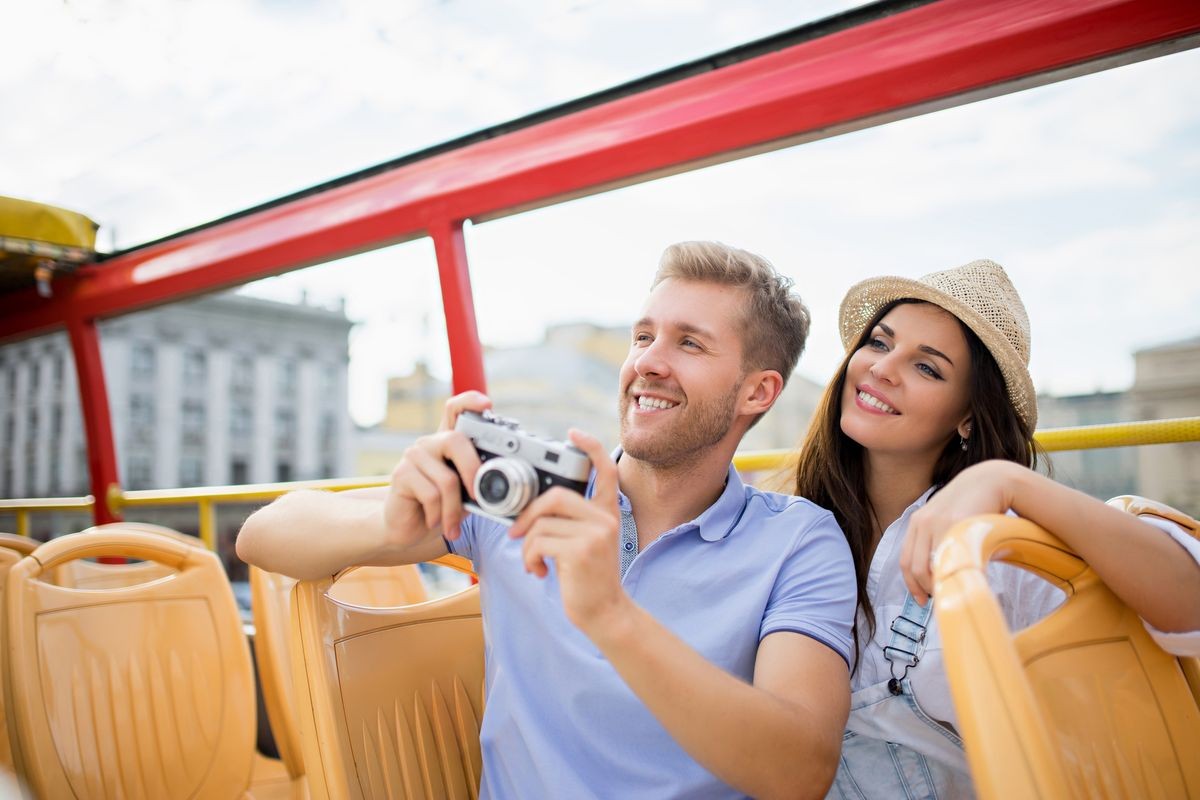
[(875, 343), (930, 371)]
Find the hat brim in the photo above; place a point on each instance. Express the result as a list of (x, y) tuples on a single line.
[(864, 300)]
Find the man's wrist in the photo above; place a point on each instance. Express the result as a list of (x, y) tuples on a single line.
[(616, 625)]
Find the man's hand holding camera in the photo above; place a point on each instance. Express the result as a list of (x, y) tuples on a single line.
[(425, 490), (581, 535)]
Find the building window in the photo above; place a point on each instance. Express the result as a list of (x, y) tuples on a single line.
[(283, 471), (59, 373), (243, 373), (143, 362), (195, 368), (239, 471), (141, 471), (141, 419), (241, 422), (287, 378), (193, 422), (285, 428), (191, 471)]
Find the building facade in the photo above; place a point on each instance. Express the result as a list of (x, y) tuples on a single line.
[(217, 390)]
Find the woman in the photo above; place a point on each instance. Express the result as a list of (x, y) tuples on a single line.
[(930, 420)]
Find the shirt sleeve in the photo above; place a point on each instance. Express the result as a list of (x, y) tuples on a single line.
[(1186, 643), (815, 593), (465, 544)]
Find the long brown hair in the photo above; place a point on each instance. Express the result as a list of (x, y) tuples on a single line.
[(831, 469)]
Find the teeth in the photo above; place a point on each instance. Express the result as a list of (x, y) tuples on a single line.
[(876, 402), (654, 402)]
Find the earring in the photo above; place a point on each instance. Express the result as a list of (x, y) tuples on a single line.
[(962, 442)]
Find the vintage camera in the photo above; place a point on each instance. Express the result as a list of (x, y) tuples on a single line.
[(517, 466)]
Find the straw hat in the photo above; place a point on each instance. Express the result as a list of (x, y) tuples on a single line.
[(981, 295)]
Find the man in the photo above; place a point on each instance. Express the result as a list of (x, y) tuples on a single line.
[(680, 634)]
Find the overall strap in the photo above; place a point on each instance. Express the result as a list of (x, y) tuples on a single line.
[(907, 644)]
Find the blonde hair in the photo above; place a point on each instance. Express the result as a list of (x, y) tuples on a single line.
[(776, 321)]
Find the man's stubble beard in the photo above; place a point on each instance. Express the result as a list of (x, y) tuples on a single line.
[(701, 428)]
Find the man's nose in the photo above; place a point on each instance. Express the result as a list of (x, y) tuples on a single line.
[(651, 362)]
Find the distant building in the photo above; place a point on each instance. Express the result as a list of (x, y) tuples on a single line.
[(1166, 385), (224, 389), (1102, 473), (569, 379)]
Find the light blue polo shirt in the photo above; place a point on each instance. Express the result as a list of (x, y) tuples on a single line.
[(561, 723)]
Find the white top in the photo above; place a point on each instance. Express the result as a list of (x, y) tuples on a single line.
[(1024, 599)]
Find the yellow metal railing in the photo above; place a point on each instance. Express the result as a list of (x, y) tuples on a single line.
[(1121, 434)]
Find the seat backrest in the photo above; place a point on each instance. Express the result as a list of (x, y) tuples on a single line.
[(141, 691), (1144, 507), (95, 575), (12, 549), (389, 700), (271, 599), (270, 596), (1081, 704)]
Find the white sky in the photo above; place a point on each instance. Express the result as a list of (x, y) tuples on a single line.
[(152, 117)]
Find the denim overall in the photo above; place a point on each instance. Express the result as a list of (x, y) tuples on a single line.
[(874, 764)]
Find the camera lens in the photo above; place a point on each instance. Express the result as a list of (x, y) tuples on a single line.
[(493, 488), (504, 486)]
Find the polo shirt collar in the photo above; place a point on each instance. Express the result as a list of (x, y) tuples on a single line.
[(714, 523)]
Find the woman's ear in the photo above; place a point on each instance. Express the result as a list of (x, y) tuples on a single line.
[(964, 428)]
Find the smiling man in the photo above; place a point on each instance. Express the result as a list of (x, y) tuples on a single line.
[(670, 633)]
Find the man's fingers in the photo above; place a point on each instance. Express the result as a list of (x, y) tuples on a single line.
[(549, 537), (467, 401), (604, 491), (557, 502), (462, 454)]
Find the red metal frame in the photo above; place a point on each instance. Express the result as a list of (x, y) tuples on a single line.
[(937, 54), (466, 352), (97, 422)]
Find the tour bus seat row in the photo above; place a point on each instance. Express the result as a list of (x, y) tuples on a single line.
[(12, 549), (270, 597), (138, 691), (1082, 704), (389, 700)]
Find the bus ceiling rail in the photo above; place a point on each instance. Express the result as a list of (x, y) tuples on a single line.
[(1088, 437)]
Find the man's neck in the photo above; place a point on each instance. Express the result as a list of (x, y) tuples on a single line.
[(666, 497), (893, 484)]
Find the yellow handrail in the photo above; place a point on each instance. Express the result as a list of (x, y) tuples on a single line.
[(1120, 434)]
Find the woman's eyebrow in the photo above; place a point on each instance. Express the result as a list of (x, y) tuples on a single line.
[(927, 349)]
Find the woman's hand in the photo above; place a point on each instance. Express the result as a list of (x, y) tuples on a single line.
[(985, 488)]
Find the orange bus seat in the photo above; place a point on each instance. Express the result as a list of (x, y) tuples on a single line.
[(389, 700), (12, 549), (82, 574), (270, 597), (1082, 704), (143, 691)]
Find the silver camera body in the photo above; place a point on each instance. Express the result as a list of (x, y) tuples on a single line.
[(517, 466)]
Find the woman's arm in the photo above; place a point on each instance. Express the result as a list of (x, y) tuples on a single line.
[(1151, 572)]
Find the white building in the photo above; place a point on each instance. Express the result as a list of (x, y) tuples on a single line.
[(222, 389)]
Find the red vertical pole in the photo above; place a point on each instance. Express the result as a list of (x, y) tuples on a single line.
[(466, 353), (97, 421)]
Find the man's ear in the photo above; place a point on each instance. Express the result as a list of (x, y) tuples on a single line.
[(760, 391)]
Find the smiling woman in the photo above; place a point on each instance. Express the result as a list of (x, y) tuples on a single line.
[(928, 422)]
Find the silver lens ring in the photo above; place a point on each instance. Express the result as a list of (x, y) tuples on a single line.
[(522, 486)]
